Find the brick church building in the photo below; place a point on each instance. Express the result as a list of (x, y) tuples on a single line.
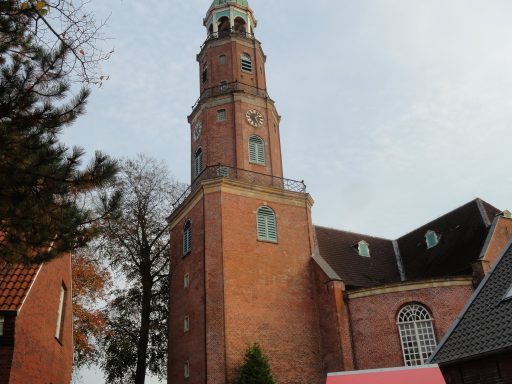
[(248, 265)]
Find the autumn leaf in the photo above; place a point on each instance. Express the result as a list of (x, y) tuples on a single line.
[(25, 5), (40, 5)]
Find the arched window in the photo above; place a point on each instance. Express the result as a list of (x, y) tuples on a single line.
[(240, 25), (187, 238), (224, 24), (256, 150), (266, 224), (246, 62), (416, 334), (198, 162)]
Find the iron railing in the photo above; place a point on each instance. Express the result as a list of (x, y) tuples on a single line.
[(225, 88), (254, 178), (227, 33)]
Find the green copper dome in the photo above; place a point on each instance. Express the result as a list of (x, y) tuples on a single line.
[(243, 3)]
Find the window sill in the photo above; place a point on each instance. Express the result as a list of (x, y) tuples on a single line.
[(186, 254), (268, 241)]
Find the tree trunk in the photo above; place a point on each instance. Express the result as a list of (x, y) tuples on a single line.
[(143, 340)]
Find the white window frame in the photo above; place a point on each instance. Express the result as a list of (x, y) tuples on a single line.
[(186, 370), (256, 150), (417, 334), (186, 324), (60, 312), (266, 224), (186, 280)]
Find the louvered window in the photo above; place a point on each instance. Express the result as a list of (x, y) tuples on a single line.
[(416, 334), (187, 238), (266, 223), (256, 150), (222, 171), (246, 62), (198, 162)]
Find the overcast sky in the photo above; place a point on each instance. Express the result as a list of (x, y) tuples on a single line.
[(393, 111)]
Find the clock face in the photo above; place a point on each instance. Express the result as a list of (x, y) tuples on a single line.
[(197, 130), (254, 118)]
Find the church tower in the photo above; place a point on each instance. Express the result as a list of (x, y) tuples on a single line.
[(241, 235)]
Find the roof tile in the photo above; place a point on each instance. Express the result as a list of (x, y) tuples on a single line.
[(15, 281)]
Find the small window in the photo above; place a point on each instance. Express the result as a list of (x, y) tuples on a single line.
[(186, 370), (222, 171), (256, 150), (416, 334), (363, 248), (223, 86), (205, 73), (431, 239), (198, 162), (2, 321), (222, 59), (221, 115), (186, 280), (266, 224), (60, 313), (186, 324), (187, 238), (246, 62)]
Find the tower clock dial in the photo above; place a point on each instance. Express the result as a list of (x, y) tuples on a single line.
[(197, 130), (254, 118)]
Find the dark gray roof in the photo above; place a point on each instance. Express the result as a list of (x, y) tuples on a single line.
[(337, 249), (462, 235), (485, 325), (462, 232)]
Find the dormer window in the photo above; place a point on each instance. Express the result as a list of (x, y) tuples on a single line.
[(363, 248), (431, 239)]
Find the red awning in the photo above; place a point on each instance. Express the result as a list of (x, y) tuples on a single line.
[(425, 374)]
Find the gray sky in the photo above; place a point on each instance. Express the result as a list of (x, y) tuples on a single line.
[(394, 111)]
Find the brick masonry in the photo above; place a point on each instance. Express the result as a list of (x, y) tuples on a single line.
[(373, 321)]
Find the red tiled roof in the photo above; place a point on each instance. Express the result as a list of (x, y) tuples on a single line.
[(15, 281)]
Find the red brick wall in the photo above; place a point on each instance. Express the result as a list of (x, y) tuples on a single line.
[(38, 356), (269, 291), (189, 345), (488, 370), (7, 346), (500, 238), (373, 319)]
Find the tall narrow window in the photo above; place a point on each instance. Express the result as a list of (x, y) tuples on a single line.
[(246, 62), (186, 370), (256, 150), (186, 324), (431, 238), (416, 334), (221, 115), (186, 280), (205, 73), (2, 321), (187, 238), (198, 161), (60, 313), (222, 59), (266, 224)]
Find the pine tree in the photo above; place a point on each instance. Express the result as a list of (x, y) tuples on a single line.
[(255, 369), (41, 181)]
